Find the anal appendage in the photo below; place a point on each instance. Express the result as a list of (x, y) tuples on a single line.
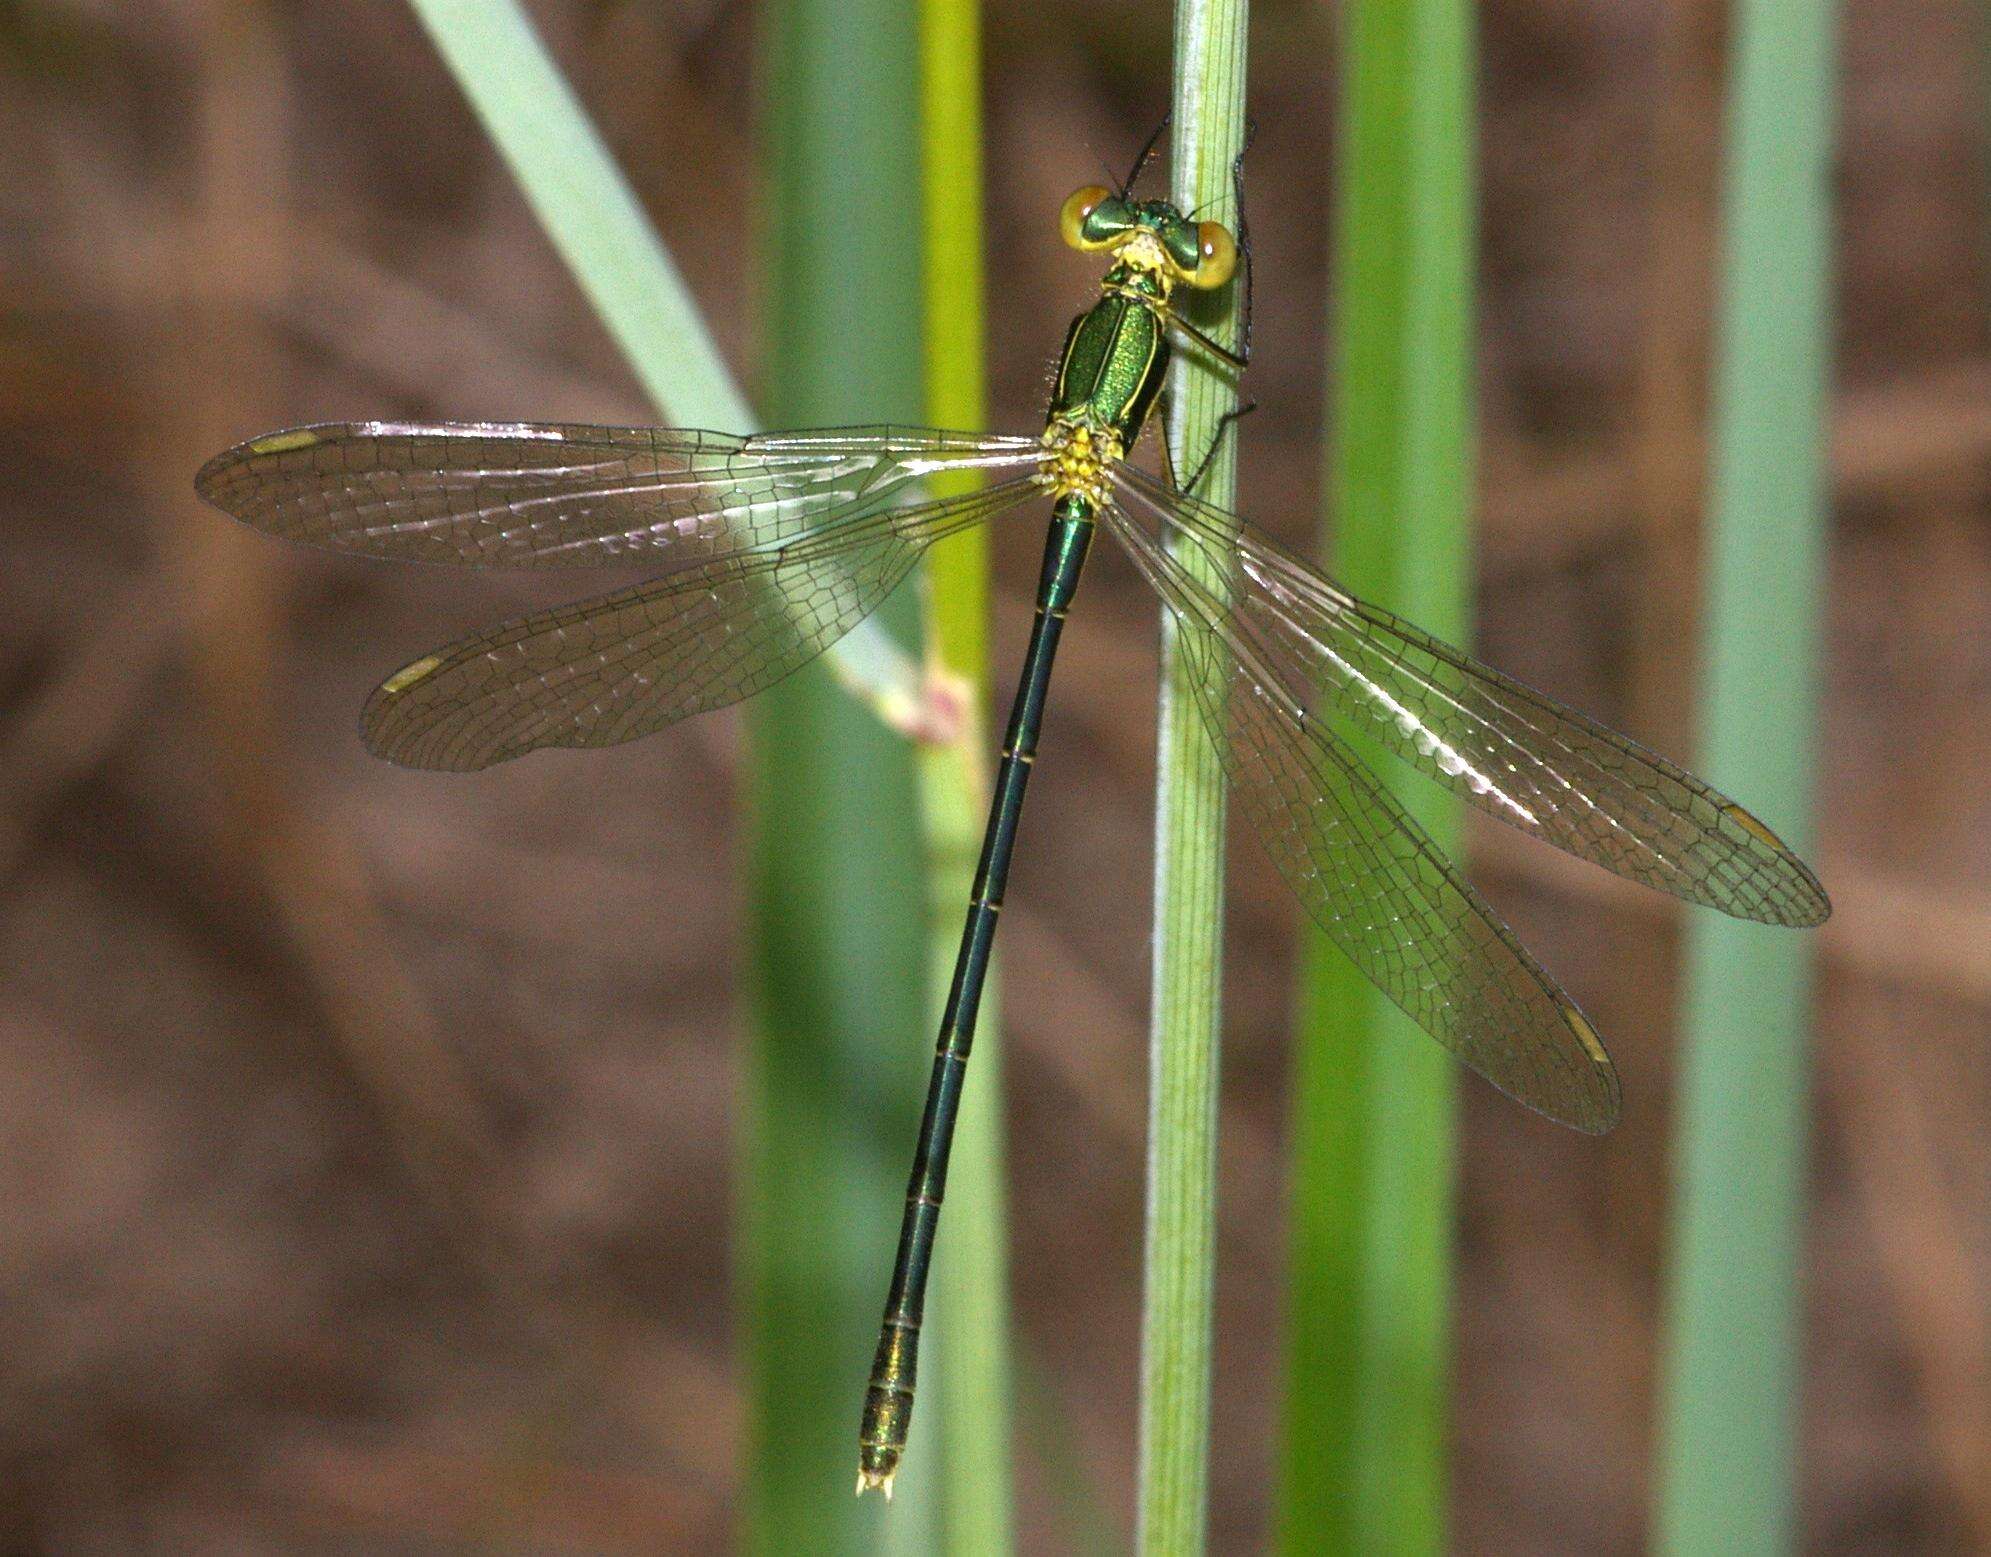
[(888, 1408)]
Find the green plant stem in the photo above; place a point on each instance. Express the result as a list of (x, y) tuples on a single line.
[(837, 915), (968, 1316), (595, 223), (1179, 1286), (1728, 1427), (1366, 1409)]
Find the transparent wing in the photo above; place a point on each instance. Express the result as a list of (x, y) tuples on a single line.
[(630, 663), (533, 494), (1502, 746), (1370, 876)]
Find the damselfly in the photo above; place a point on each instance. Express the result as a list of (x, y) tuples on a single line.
[(776, 545)]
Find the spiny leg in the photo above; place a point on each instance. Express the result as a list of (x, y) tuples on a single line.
[(1204, 339), (1224, 425)]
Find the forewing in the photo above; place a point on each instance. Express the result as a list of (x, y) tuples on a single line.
[(627, 664), (1371, 877), (544, 494), (1499, 744)]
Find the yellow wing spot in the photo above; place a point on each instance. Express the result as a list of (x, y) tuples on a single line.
[(1585, 1034), (408, 675), (1756, 827), (284, 442)]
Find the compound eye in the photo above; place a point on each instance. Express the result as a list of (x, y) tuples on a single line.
[(1076, 217), (1216, 256)]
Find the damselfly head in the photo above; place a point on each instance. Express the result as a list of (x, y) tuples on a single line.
[(1149, 234)]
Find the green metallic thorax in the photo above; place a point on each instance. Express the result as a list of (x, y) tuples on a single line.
[(1116, 356)]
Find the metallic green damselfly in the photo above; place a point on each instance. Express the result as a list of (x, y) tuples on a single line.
[(774, 546)]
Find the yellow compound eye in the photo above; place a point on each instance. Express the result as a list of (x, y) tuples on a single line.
[(1072, 219), (1216, 252)]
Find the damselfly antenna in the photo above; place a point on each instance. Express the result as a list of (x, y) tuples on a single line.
[(1147, 155)]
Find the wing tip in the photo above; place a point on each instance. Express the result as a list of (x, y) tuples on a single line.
[(207, 480), (396, 731), (1807, 904), (285, 440), (1816, 907), (1607, 1118), (1604, 1104)]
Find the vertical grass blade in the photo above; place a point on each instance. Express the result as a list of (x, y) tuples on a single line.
[(968, 1318), (1726, 1476), (1366, 1405), (837, 912), (1179, 1278)]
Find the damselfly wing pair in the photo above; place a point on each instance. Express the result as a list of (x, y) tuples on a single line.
[(770, 548)]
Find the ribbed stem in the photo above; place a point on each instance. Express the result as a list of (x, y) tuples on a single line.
[(1176, 1338)]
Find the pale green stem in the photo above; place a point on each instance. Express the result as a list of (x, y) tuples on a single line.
[(1176, 1336), (593, 219), (1728, 1442)]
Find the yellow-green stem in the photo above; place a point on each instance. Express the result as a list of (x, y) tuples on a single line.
[(968, 1316)]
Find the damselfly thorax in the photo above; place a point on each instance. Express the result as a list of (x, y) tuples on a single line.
[(1116, 353)]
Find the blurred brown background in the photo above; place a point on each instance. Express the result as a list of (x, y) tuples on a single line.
[(364, 1135)]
